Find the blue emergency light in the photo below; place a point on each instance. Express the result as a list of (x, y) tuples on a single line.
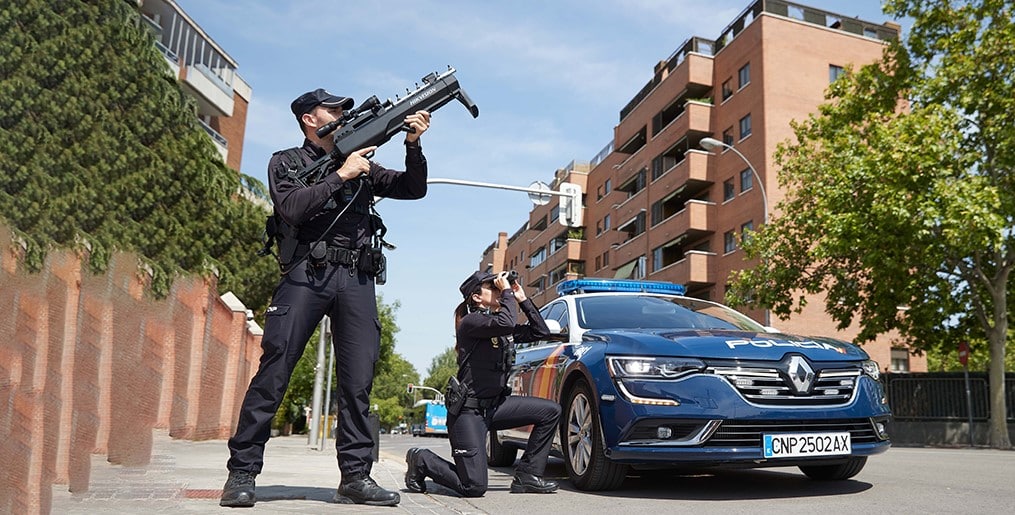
[(618, 285)]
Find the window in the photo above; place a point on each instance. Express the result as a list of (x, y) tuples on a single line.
[(667, 207), (635, 184), (606, 187), (745, 126), (746, 230), (634, 226), (668, 159), (746, 180), (665, 255), (606, 258), (599, 228), (834, 72), (537, 257), (729, 242), (900, 360), (554, 213), (558, 275), (744, 75), (727, 137), (606, 223), (599, 262), (727, 89), (539, 284), (559, 242), (729, 190)]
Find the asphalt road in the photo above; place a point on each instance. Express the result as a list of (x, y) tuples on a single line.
[(903, 480)]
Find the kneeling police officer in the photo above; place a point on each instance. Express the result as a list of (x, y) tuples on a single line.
[(484, 322)]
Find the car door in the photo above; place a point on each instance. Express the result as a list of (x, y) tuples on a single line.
[(537, 366)]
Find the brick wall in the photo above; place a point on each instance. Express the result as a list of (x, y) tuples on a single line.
[(90, 364)]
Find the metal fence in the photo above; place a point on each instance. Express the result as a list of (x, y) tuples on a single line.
[(942, 396)]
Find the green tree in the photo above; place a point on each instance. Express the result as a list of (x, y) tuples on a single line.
[(393, 381), (100, 149), (902, 217), (442, 367)]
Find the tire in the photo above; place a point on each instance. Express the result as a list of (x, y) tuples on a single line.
[(835, 472), (498, 454), (582, 443)]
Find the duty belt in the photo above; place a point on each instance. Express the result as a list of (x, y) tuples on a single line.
[(476, 403), (335, 254)]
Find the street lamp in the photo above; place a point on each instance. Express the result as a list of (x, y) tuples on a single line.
[(712, 143)]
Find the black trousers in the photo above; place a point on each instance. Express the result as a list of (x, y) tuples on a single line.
[(299, 303), (468, 432)]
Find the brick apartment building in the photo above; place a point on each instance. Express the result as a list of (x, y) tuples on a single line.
[(205, 71), (659, 206)]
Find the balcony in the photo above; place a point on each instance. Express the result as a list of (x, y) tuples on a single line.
[(214, 97), (692, 222), (690, 173), (221, 144), (695, 270)]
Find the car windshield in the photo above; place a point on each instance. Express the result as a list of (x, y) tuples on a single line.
[(644, 312)]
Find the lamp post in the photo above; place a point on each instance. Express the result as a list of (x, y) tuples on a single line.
[(712, 143)]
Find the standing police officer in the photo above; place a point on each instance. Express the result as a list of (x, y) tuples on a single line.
[(332, 217), (484, 322)]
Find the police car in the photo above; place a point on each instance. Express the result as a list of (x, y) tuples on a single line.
[(648, 378)]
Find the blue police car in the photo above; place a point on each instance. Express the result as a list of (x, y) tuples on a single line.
[(648, 378)]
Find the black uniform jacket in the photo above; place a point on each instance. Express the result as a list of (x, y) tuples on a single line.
[(305, 207), (488, 334)]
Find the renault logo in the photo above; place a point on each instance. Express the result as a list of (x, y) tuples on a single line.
[(799, 372)]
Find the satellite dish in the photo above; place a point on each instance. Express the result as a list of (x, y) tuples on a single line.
[(536, 198)]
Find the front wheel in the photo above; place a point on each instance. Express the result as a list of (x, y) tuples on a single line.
[(835, 472), (583, 446)]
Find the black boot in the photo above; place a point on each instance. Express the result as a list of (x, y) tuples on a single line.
[(525, 483), (415, 477), (363, 490), (239, 490)]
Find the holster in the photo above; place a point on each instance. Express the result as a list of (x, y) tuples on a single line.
[(455, 395)]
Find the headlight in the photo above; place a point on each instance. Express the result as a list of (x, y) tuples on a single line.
[(871, 368), (653, 368)]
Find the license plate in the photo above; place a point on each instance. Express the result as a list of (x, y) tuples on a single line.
[(794, 445)]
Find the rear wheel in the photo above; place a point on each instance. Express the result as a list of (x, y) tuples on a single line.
[(835, 472), (498, 454), (582, 443)]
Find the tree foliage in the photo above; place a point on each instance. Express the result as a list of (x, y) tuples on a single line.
[(442, 367), (900, 203), (99, 148)]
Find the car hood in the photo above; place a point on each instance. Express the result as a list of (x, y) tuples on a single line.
[(723, 344)]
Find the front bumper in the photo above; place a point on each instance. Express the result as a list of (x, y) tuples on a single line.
[(713, 424)]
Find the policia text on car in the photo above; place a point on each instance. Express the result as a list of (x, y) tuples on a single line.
[(330, 240)]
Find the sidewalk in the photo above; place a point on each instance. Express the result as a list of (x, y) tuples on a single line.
[(187, 477)]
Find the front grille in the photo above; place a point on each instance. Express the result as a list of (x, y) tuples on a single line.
[(747, 433), (769, 387)]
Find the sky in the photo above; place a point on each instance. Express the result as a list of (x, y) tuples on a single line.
[(549, 77)]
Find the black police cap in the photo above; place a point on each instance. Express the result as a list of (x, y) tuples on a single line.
[(311, 99), (474, 282)]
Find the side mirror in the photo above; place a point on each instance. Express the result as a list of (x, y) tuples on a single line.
[(553, 326)]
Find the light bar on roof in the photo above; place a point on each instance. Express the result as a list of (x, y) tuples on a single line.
[(618, 285)]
